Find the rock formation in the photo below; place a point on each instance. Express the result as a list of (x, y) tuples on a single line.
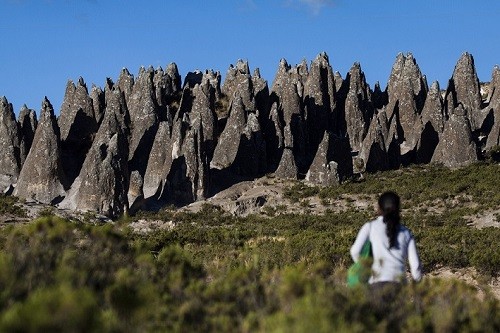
[(42, 177), (78, 124), (27, 126), (102, 184), (10, 161), (149, 141)]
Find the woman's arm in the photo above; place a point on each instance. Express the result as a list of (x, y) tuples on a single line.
[(362, 237), (415, 265)]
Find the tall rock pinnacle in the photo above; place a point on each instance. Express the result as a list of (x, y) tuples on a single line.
[(10, 161), (78, 125), (42, 177)]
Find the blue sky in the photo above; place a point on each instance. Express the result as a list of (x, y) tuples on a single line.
[(46, 42)]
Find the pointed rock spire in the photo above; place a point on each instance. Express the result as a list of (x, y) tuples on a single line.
[(464, 89), (407, 91), (42, 177), (10, 161), (78, 125), (358, 107)]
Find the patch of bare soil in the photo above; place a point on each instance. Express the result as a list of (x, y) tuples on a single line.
[(485, 219), (471, 277), (266, 196)]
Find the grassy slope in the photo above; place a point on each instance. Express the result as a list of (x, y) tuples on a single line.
[(216, 272)]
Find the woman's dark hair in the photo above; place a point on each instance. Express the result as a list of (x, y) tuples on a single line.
[(389, 205)]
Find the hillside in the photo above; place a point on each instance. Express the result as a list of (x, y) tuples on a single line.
[(277, 267)]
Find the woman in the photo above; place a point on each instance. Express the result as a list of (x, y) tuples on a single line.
[(392, 244)]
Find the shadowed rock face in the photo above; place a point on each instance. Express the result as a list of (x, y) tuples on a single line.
[(358, 107), (27, 126), (42, 177), (332, 163), (78, 125), (102, 183), (456, 146), (464, 89), (10, 160), (406, 91), (494, 110), (145, 142)]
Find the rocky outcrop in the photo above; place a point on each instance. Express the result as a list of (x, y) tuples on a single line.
[(10, 161), (27, 126), (148, 141), (42, 177)]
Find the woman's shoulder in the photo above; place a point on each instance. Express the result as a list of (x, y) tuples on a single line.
[(406, 231)]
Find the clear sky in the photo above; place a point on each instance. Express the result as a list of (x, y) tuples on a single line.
[(46, 42)]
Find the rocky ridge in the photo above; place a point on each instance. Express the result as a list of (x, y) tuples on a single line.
[(150, 140)]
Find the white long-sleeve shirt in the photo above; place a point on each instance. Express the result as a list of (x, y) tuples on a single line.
[(388, 264)]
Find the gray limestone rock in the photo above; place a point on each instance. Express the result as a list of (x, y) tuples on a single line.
[(287, 168), (430, 125), (406, 91), (160, 161), (493, 138), (102, 184), (241, 146), (373, 151), (78, 126), (126, 84), (358, 107), (456, 145), (464, 89), (332, 163), (239, 82), (10, 161), (98, 103), (290, 118), (144, 120), (42, 177), (319, 100), (27, 126)]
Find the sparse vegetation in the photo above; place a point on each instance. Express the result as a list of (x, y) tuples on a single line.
[(214, 271)]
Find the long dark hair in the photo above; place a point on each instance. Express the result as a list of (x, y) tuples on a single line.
[(389, 205)]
